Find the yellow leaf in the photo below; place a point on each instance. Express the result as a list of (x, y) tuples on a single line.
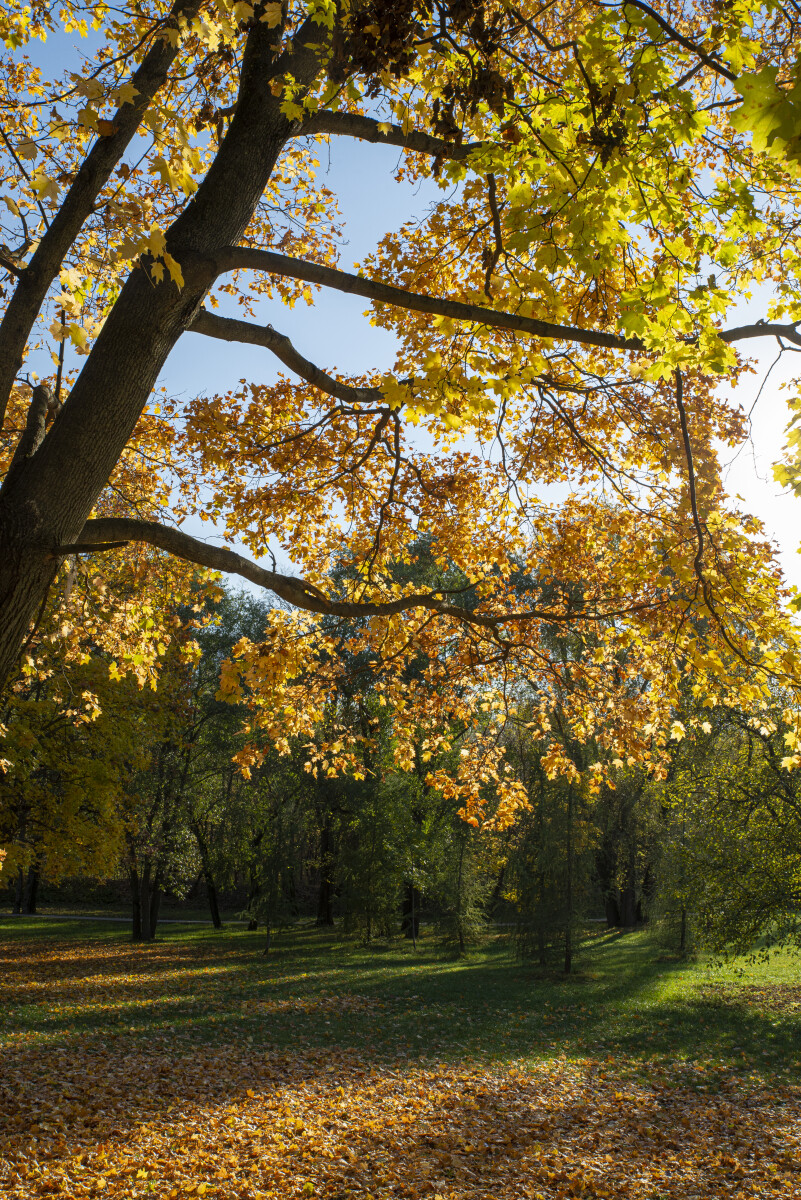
[(271, 15), (125, 93), (174, 268), (160, 167), (45, 188), (27, 148), (78, 335), (156, 242), (88, 117)]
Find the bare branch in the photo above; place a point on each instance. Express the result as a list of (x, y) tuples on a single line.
[(709, 59), (230, 330), (741, 333)]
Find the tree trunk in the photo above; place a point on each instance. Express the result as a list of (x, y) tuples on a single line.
[(136, 905), (628, 897), (26, 573), (155, 905), (410, 913), (51, 495), (144, 902), (211, 890), (459, 898), (31, 890), (325, 896), (542, 956), (569, 886), (612, 909), (19, 888), (214, 907)]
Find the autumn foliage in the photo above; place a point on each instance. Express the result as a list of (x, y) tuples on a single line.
[(541, 465)]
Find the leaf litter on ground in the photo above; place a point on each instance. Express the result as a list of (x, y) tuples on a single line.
[(119, 1114)]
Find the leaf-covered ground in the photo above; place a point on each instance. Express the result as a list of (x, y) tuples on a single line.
[(195, 1067)]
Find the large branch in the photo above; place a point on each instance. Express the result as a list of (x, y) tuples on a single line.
[(230, 330), (368, 129), (234, 258), (741, 333), (708, 58), (42, 403), (93, 174), (103, 531)]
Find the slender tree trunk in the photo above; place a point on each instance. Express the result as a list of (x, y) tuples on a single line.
[(497, 891), (459, 907), (410, 913), (211, 890), (542, 955), (214, 907), (144, 902), (325, 914), (31, 890), (18, 891), (155, 905), (683, 932), (629, 897), (136, 905), (569, 886)]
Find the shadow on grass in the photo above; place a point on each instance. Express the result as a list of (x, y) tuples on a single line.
[(196, 1059), (315, 992)]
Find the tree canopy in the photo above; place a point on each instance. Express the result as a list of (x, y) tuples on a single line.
[(533, 495)]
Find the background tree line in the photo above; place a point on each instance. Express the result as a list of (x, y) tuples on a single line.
[(105, 780)]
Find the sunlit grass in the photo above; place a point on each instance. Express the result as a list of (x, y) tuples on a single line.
[(626, 1003)]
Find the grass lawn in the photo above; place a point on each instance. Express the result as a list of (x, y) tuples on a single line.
[(196, 1066)]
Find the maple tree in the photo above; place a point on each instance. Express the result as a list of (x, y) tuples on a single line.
[(611, 184)]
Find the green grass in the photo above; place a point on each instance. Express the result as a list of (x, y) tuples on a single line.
[(626, 1005)]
